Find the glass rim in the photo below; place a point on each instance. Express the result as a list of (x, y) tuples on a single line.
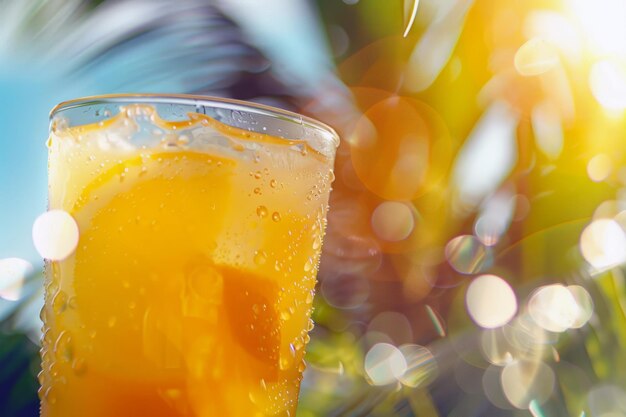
[(197, 100)]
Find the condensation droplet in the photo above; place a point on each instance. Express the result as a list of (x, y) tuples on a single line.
[(260, 257), (59, 302), (63, 347), (308, 265), (273, 183), (79, 366), (261, 211), (276, 216), (285, 362), (50, 396)]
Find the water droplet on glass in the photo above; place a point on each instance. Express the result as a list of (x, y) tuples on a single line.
[(50, 396), (79, 366), (285, 363), (261, 211), (257, 190), (59, 302), (276, 216), (273, 183), (63, 347), (260, 257)]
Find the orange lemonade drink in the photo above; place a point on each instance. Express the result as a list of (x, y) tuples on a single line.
[(189, 292)]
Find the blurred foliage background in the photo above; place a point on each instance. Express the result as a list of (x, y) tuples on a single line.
[(473, 262)]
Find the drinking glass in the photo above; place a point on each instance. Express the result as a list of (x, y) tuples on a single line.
[(189, 289)]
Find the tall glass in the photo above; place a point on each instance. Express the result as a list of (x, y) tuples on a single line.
[(189, 292)]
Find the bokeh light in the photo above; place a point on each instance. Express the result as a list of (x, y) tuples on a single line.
[(384, 364), (467, 255), (524, 382), (599, 167), (495, 217), (13, 273), (395, 325), (603, 244), (607, 400), (490, 301), (392, 221), (55, 235), (421, 366), (608, 84), (475, 255), (535, 57), (554, 308)]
